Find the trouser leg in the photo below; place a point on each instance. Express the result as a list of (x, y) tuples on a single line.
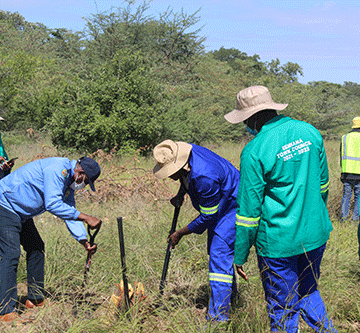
[(34, 246), (355, 215), (345, 202), (280, 281), (359, 239), (313, 309), (221, 276), (10, 251)]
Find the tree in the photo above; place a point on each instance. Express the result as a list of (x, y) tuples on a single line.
[(287, 73), (240, 61), (165, 39), (117, 105)]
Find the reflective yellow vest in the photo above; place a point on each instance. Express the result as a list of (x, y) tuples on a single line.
[(350, 153)]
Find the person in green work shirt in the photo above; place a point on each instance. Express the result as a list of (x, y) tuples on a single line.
[(281, 209), (5, 166)]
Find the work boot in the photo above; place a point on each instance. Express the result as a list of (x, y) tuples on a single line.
[(30, 304), (13, 317)]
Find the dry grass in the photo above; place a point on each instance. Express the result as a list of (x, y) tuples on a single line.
[(127, 188)]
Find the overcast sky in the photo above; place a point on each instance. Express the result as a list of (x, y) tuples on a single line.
[(323, 37)]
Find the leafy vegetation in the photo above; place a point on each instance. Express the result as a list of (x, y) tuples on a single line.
[(130, 79), (126, 82)]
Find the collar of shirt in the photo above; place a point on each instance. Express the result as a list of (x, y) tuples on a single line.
[(273, 122)]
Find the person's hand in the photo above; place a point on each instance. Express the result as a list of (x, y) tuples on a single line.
[(4, 164), (174, 238), (11, 163), (241, 272), (92, 222), (90, 249)]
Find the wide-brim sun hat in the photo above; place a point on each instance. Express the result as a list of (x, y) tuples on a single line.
[(250, 101), (356, 122), (170, 157)]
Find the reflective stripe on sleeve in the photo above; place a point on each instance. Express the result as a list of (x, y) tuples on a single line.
[(209, 210), (325, 187), (247, 221), (221, 278)]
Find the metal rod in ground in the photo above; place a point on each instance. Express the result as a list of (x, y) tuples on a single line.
[(168, 251), (123, 263)]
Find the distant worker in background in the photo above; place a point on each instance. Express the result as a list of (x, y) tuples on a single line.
[(5, 164), (211, 182), (282, 210), (350, 170)]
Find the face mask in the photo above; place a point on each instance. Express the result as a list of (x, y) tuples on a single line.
[(75, 186), (251, 131)]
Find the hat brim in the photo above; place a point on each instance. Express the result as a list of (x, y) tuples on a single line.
[(162, 171), (91, 183), (237, 116), (92, 186)]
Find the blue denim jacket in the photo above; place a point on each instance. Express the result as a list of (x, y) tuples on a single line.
[(43, 185)]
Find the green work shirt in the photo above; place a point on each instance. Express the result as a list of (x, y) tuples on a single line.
[(2, 150), (282, 192)]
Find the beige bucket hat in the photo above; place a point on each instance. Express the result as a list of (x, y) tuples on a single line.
[(356, 122), (250, 101), (170, 157)]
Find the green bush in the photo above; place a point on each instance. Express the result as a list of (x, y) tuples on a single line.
[(118, 104)]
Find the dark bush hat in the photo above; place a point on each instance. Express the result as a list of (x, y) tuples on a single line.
[(91, 169)]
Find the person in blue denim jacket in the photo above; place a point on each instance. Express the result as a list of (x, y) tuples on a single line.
[(42, 185)]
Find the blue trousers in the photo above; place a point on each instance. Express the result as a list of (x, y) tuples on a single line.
[(350, 186), (13, 233), (221, 276), (290, 286)]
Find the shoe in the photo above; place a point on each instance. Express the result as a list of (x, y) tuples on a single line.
[(35, 303), (13, 317)]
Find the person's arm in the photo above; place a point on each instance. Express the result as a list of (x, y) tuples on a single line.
[(54, 183), (324, 173), (177, 235), (249, 201), (209, 194), (341, 149), (54, 203), (76, 227)]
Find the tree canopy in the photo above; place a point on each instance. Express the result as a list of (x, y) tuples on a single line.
[(129, 80)]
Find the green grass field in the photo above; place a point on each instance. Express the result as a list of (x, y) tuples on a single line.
[(128, 189)]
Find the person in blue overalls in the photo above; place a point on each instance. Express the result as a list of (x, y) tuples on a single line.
[(212, 184), (43, 185)]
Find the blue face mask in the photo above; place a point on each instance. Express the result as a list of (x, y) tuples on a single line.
[(251, 131)]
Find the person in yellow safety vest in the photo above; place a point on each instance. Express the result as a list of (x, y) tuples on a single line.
[(350, 170)]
